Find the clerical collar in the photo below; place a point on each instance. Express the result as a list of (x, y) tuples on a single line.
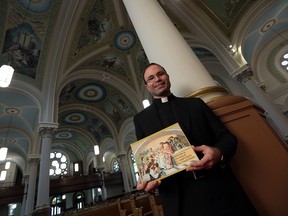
[(164, 99)]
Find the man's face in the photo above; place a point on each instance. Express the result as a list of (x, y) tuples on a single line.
[(157, 81)]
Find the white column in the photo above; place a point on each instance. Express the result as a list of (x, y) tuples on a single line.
[(274, 113), (33, 162), (95, 161), (123, 166), (88, 197), (43, 201), (163, 44), (103, 188), (26, 183)]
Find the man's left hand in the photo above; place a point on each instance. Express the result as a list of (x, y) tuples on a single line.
[(211, 157)]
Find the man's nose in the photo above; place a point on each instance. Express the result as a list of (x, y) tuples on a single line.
[(157, 77)]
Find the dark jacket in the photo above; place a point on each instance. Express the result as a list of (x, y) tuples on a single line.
[(201, 126), (197, 120)]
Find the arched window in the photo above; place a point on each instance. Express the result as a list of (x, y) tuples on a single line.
[(59, 164), (58, 204), (284, 61), (79, 200), (115, 165), (134, 166), (12, 208)]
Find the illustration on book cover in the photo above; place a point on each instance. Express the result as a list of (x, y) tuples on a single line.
[(163, 153)]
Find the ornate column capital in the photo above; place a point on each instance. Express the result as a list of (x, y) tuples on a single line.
[(33, 159), (101, 168), (46, 129), (121, 155), (243, 74), (25, 178)]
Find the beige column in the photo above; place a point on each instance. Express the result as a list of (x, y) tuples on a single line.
[(164, 44), (103, 188), (43, 202), (25, 182), (33, 162), (124, 169)]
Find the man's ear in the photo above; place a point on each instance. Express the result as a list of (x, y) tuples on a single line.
[(146, 86)]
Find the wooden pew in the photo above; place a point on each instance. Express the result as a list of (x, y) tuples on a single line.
[(143, 201), (111, 209), (156, 206), (124, 207), (141, 205)]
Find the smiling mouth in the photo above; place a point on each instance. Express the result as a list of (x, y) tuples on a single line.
[(160, 84)]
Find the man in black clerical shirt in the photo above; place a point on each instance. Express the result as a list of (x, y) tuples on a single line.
[(208, 187)]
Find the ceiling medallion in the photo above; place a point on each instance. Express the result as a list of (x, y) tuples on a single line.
[(12, 111), (91, 93), (125, 40), (10, 141), (268, 25), (64, 135), (75, 118)]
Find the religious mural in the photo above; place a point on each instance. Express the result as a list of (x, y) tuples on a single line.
[(224, 13), (25, 34)]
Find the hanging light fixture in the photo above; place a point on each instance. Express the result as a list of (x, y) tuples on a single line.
[(3, 153), (6, 70), (96, 149), (7, 165), (6, 74), (3, 175), (4, 150)]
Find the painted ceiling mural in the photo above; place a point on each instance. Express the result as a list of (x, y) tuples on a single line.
[(95, 26), (27, 32), (225, 13), (94, 94)]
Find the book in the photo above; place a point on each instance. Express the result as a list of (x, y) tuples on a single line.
[(163, 153)]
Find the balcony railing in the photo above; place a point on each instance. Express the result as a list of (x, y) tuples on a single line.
[(14, 194)]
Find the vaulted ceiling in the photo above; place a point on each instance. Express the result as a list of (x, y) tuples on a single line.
[(79, 64)]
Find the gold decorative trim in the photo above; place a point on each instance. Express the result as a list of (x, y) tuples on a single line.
[(207, 90)]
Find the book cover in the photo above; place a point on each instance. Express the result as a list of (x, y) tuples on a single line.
[(163, 153)]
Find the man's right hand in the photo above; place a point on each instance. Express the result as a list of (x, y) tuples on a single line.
[(148, 186)]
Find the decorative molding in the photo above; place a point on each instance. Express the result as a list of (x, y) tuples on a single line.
[(46, 129), (271, 64), (243, 74), (33, 159), (121, 155), (207, 90)]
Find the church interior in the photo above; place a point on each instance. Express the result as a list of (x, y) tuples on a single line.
[(66, 119)]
